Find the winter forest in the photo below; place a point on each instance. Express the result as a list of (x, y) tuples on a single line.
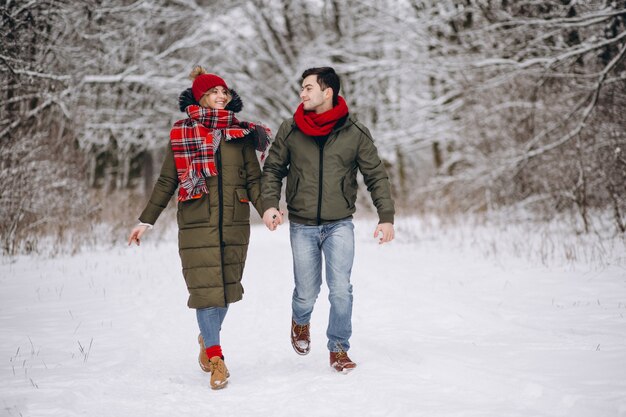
[(477, 106), (502, 128)]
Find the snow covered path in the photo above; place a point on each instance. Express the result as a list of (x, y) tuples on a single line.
[(437, 332)]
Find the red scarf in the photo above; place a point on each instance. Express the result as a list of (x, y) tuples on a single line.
[(313, 124), (195, 140)]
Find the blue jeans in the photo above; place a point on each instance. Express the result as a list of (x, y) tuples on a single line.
[(308, 243), (210, 322)]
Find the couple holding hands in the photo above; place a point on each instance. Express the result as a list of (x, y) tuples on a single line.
[(212, 162)]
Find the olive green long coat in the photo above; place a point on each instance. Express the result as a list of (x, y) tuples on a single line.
[(214, 230)]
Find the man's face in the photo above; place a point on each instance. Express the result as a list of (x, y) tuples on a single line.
[(312, 95)]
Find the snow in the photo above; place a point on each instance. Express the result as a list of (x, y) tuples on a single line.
[(439, 330)]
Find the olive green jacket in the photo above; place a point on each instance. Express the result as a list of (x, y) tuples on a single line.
[(214, 230), (321, 180)]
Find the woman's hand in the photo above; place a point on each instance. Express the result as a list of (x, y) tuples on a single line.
[(136, 233)]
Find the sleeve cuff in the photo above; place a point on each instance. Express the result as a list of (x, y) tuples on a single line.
[(145, 224), (266, 205), (385, 218)]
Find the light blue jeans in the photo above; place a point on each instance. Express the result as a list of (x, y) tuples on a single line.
[(336, 242), (210, 323)]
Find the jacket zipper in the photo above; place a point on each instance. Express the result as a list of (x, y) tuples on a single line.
[(321, 145), (321, 177), (220, 193)]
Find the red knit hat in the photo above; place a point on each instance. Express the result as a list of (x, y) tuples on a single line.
[(204, 82)]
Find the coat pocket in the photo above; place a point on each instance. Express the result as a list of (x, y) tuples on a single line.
[(292, 189), (241, 206), (348, 190), (193, 211)]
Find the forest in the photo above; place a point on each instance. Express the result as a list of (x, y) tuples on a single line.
[(477, 106)]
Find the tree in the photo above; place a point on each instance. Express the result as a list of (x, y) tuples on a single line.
[(41, 170), (537, 79)]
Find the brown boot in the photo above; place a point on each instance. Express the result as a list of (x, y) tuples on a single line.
[(300, 338), (219, 373), (341, 362), (203, 359)]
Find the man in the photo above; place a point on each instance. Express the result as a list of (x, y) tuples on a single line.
[(319, 151)]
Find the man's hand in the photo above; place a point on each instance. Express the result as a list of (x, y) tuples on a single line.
[(387, 230), (272, 218), (136, 233)]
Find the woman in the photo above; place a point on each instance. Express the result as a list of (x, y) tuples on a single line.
[(212, 161)]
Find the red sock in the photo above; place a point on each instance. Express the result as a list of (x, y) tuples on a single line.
[(215, 350)]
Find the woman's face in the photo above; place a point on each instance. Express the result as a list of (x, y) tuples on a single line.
[(216, 98)]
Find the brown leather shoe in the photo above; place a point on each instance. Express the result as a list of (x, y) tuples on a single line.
[(203, 359), (219, 373), (341, 362), (300, 338)]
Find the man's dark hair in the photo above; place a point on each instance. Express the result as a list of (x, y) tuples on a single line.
[(326, 78)]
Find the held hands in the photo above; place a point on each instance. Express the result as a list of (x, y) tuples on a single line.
[(272, 218), (136, 233), (387, 230)]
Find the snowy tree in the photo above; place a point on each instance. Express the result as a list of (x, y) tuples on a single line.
[(474, 104), (537, 80), (41, 170)]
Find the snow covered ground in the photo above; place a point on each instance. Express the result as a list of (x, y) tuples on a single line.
[(439, 330)]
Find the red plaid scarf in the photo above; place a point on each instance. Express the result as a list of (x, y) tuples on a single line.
[(195, 140)]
